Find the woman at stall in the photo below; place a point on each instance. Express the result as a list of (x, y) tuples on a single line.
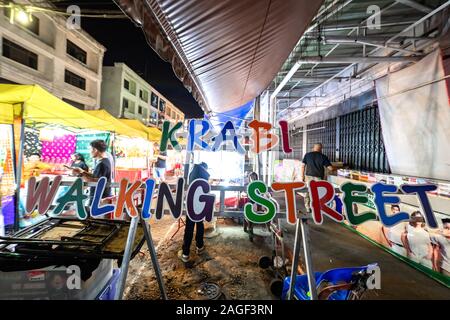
[(78, 161)]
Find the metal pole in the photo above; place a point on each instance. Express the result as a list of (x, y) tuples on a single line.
[(18, 171), (308, 258), (354, 60), (295, 259), (152, 251), (126, 258), (187, 163)]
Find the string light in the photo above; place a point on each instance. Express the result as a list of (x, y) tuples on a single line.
[(21, 11)]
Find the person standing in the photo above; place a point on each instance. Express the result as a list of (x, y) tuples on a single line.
[(313, 168), (417, 241), (160, 164), (102, 169), (393, 235), (441, 247), (199, 171)]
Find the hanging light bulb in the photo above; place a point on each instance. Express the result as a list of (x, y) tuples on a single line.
[(20, 14), (22, 17)]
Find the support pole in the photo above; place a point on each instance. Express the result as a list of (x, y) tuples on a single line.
[(126, 258), (152, 251), (308, 258), (18, 165), (187, 164), (295, 259)]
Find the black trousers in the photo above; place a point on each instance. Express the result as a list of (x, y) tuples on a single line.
[(189, 235)]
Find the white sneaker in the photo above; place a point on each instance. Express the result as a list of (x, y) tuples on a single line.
[(183, 257)]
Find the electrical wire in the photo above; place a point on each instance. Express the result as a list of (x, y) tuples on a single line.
[(90, 13)]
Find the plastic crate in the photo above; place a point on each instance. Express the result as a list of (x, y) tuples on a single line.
[(109, 291)]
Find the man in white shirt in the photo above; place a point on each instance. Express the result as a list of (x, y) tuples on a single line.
[(417, 241), (441, 243)]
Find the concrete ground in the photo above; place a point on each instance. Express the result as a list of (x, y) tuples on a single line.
[(335, 246), (231, 261)]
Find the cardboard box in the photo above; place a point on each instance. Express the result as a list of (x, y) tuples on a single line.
[(52, 283)]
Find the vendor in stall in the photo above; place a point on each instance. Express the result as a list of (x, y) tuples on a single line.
[(102, 169), (78, 161)]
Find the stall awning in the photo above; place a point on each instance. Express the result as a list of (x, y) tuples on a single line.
[(225, 52), (153, 134), (6, 113), (39, 106), (117, 126)]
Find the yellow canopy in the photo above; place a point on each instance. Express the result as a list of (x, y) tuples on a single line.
[(117, 125), (153, 134), (38, 105)]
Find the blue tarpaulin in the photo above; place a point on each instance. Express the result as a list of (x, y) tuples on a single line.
[(236, 115)]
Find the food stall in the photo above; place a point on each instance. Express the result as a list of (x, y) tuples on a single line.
[(130, 147), (35, 261), (134, 158), (7, 178), (36, 126)]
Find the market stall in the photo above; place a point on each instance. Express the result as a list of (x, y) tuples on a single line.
[(131, 148), (7, 178), (43, 139), (40, 134), (175, 159), (134, 159)]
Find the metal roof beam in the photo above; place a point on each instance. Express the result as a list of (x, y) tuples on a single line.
[(381, 39), (415, 5), (297, 65), (315, 79), (351, 60), (368, 41)]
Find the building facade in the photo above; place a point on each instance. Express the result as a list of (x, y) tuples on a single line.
[(127, 95), (173, 114), (38, 48)]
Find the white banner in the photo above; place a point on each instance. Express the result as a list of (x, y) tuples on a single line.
[(415, 119)]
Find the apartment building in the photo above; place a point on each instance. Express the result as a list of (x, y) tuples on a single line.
[(38, 48), (127, 95), (172, 113)]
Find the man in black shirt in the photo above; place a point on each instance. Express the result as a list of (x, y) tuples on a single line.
[(199, 171), (313, 168), (102, 169)]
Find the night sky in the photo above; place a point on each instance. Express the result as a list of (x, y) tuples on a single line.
[(126, 43)]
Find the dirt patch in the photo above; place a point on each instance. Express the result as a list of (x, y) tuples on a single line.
[(230, 260)]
